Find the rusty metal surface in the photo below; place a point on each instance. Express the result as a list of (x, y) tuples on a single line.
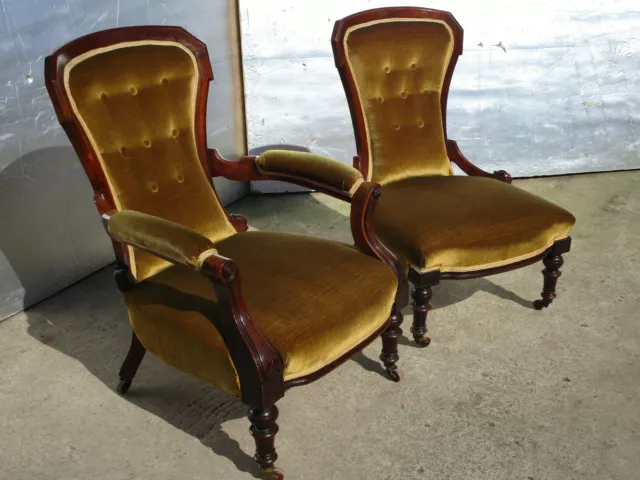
[(543, 87), (50, 235)]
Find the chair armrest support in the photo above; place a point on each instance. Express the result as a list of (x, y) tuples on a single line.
[(363, 205), (244, 170), (316, 172), (457, 157), (322, 174), (258, 364)]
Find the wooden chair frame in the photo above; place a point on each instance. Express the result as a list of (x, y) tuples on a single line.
[(258, 364), (424, 281)]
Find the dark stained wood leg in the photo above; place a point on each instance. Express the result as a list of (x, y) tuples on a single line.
[(130, 364), (264, 429), (552, 262), (421, 305), (389, 355)]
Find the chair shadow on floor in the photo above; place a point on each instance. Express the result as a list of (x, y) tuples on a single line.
[(445, 294), (450, 292), (88, 322)]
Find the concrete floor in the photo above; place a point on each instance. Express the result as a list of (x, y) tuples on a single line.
[(503, 392)]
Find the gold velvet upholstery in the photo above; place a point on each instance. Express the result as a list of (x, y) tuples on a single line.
[(428, 217), (166, 239), (136, 103), (399, 67), (457, 224), (313, 169), (314, 299)]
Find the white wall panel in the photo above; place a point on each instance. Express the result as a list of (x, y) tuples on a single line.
[(50, 232), (562, 96)]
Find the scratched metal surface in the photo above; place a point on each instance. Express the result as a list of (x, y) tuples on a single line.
[(543, 87), (50, 235)]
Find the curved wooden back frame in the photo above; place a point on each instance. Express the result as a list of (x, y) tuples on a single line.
[(362, 160), (54, 79)]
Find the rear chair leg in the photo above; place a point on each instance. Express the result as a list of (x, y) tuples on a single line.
[(130, 364), (421, 305), (264, 429), (552, 262), (389, 355)]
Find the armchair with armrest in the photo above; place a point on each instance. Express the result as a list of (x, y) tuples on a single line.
[(254, 313), (396, 66)]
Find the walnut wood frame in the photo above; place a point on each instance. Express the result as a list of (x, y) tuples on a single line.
[(258, 364), (423, 281)]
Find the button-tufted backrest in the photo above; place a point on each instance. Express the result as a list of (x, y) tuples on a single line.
[(398, 66), (136, 102)]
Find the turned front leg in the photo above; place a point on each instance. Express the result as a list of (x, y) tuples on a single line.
[(551, 272), (421, 305), (389, 355), (263, 430)]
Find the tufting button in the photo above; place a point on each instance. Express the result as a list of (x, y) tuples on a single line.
[(403, 95), (174, 132), (133, 90), (123, 150), (147, 143), (103, 97), (397, 127), (413, 66), (165, 82), (180, 179), (387, 69), (420, 124), (380, 99), (154, 188)]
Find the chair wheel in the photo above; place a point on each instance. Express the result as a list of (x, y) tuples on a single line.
[(423, 341), (395, 374), (273, 474), (123, 386)]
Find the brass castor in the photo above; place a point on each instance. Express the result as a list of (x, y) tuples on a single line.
[(272, 473), (422, 341), (395, 374), (123, 386)]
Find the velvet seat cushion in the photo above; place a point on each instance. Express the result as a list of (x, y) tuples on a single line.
[(314, 299), (458, 224)]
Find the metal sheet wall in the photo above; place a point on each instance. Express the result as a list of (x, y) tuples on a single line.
[(543, 87), (50, 234)]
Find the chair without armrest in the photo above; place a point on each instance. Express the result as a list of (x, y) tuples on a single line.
[(396, 66), (235, 308)]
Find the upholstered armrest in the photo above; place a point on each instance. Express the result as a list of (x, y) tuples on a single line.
[(165, 239), (320, 173), (323, 172), (258, 364), (307, 169), (457, 157)]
